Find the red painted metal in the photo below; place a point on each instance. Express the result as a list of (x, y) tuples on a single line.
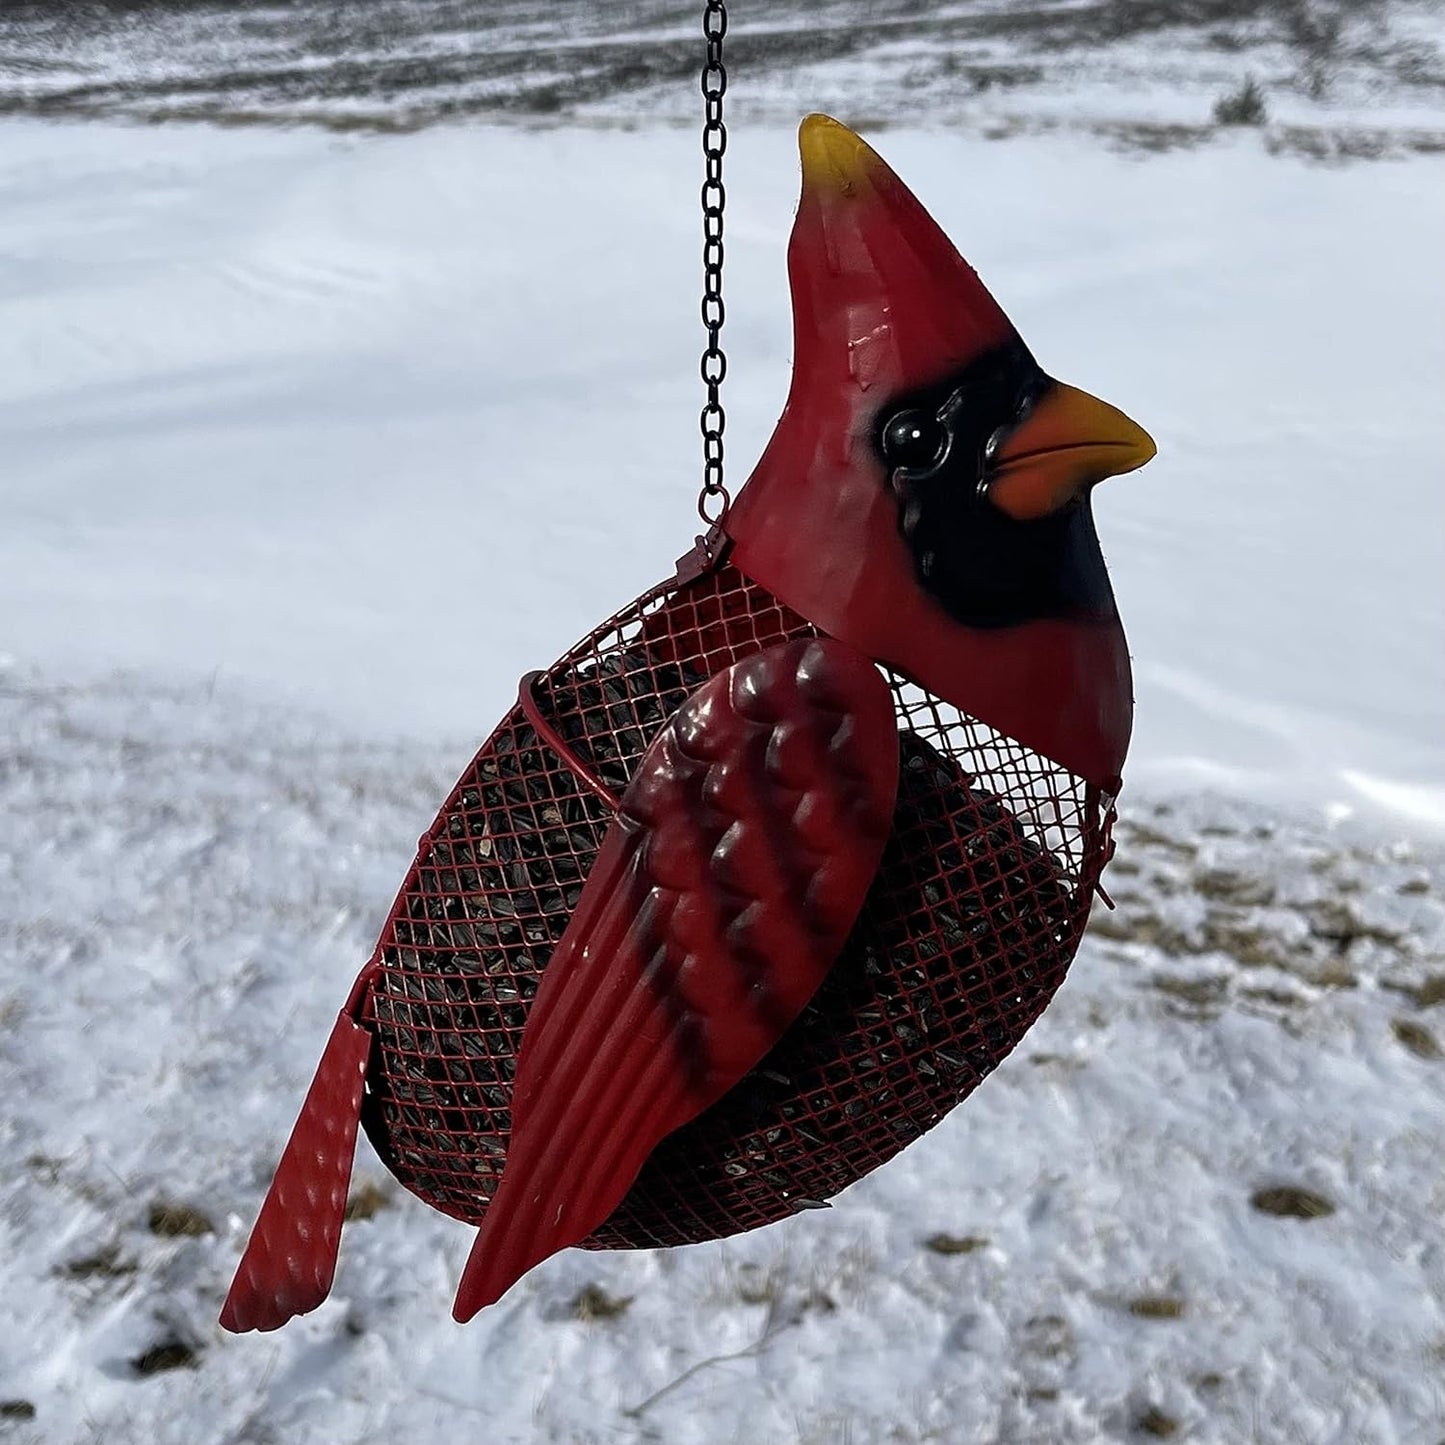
[(722, 895), (1008, 741), (883, 304), (291, 1257), (967, 930)]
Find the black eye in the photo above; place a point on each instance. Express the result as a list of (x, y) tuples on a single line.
[(914, 440)]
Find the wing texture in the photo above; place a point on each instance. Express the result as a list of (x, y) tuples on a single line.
[(291, 1256), (739, 861)]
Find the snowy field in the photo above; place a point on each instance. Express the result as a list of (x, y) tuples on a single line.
[(1353, 77), (311, 443)]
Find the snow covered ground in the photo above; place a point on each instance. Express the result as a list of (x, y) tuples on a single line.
[(312, 443), (1360, 78), (384, 422), (1091, 1249)]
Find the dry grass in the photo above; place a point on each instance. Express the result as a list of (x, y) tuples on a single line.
[(1157, 1307), (171, 1354), (367, 1200), (1290, 1201), (955, 1243), (106, 1263), (1417, 1038), (1200, 999), (177, 1221), (1425, 994), (1154, 1423), (592, 1302)]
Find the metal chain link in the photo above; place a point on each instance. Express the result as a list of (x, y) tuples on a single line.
[(712, 504)]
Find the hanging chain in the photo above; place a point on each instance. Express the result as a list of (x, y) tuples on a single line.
[(712, 504)]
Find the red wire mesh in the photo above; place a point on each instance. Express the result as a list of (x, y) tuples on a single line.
[(966, 933)]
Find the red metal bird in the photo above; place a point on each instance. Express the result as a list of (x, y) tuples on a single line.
[(765, 874)]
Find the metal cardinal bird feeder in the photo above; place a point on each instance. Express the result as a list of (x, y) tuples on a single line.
[(768, 872)]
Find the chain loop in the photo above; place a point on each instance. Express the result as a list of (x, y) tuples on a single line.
[(712, 503)]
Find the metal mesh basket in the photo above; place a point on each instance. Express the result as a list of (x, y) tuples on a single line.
[(966, 933)]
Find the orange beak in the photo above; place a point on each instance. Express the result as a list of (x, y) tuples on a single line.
[(1069, 441)]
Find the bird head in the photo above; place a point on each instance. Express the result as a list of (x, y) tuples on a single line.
[(925, 495)]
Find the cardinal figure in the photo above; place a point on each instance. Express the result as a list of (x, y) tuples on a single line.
[(770, 870)]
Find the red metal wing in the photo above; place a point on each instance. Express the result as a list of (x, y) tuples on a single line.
[(291, 1256), (739, 860)]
